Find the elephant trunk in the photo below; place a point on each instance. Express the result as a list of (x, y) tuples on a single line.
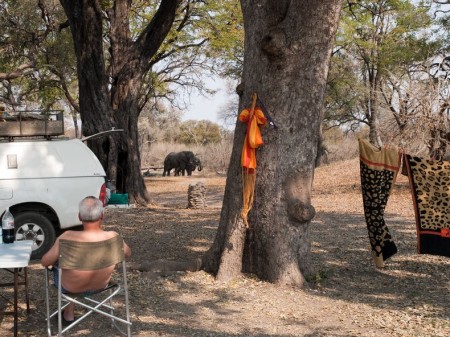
[(200, 167)]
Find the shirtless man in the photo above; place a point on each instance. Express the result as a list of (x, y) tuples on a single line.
[(91, 215)]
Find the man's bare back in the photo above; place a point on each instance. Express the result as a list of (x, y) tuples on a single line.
[(81, 280), (85, 280), (91, 215)]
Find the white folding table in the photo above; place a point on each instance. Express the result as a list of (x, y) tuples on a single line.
[(15, 257)]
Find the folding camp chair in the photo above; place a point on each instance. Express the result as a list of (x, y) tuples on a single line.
[(89, 256)]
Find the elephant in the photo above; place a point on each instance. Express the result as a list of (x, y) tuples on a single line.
[(191, 165), (189, 162), (184, 161)]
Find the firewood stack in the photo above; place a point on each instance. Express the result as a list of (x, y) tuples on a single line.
[(197, 195)]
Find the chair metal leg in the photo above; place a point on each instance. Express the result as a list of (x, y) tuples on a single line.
[(111, 310), (127, 307), (47, 304), (59, 303)]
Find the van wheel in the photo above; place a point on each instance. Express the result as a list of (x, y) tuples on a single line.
[(36, 227)]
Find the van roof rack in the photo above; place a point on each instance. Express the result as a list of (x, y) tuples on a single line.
[(31, 123)]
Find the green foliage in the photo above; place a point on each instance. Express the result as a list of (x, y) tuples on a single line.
[(206, 37), (199, 132), (30, 38), (224, 27), (344, 94), (385, 34), (378, 43)]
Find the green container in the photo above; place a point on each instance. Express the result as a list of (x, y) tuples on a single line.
[(118, 199)]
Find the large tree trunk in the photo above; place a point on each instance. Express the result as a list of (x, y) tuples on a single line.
[(95, 108), (129, 177), (86, 26), (287, 51), (111, 99), (373, 109)]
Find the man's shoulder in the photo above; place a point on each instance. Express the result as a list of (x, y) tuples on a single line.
[(111, 234), (88, 236), (106, 235), (68, 235)]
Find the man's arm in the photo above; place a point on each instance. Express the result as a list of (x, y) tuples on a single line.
[(51, 256), (126, 250)]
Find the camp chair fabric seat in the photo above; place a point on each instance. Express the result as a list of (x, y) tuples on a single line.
[(101, 254), (75, 255)]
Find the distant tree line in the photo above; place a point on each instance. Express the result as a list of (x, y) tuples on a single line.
[(172, 130)]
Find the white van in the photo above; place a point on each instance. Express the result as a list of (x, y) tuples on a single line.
[(42, 182)]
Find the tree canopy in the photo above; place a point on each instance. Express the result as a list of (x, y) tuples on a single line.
[(38, 58), (199, 132), (135, 55), (383, 61), (377, 40)]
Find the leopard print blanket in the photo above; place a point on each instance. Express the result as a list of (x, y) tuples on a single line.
[(430, 187), (379, 169)]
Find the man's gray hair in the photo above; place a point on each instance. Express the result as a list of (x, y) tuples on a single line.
[(90, 209)]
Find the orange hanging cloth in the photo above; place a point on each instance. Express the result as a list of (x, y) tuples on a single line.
[(254, 117)]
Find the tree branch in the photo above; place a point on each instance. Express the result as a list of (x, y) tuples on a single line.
[(22, 70), (154, 34)]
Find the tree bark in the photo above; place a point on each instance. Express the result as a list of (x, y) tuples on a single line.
[(373, 109), (96, 113), (287, 51), (111, 99)]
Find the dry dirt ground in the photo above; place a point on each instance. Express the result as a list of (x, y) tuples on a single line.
[(348, 296)]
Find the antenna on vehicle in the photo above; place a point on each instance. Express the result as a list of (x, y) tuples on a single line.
[(100, 134)]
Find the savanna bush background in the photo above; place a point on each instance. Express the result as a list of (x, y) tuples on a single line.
[(215, 157)]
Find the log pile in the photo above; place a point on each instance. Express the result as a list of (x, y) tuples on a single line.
[(197, 195)]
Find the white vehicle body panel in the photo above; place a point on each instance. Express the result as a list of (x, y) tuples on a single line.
[(57, 173)]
